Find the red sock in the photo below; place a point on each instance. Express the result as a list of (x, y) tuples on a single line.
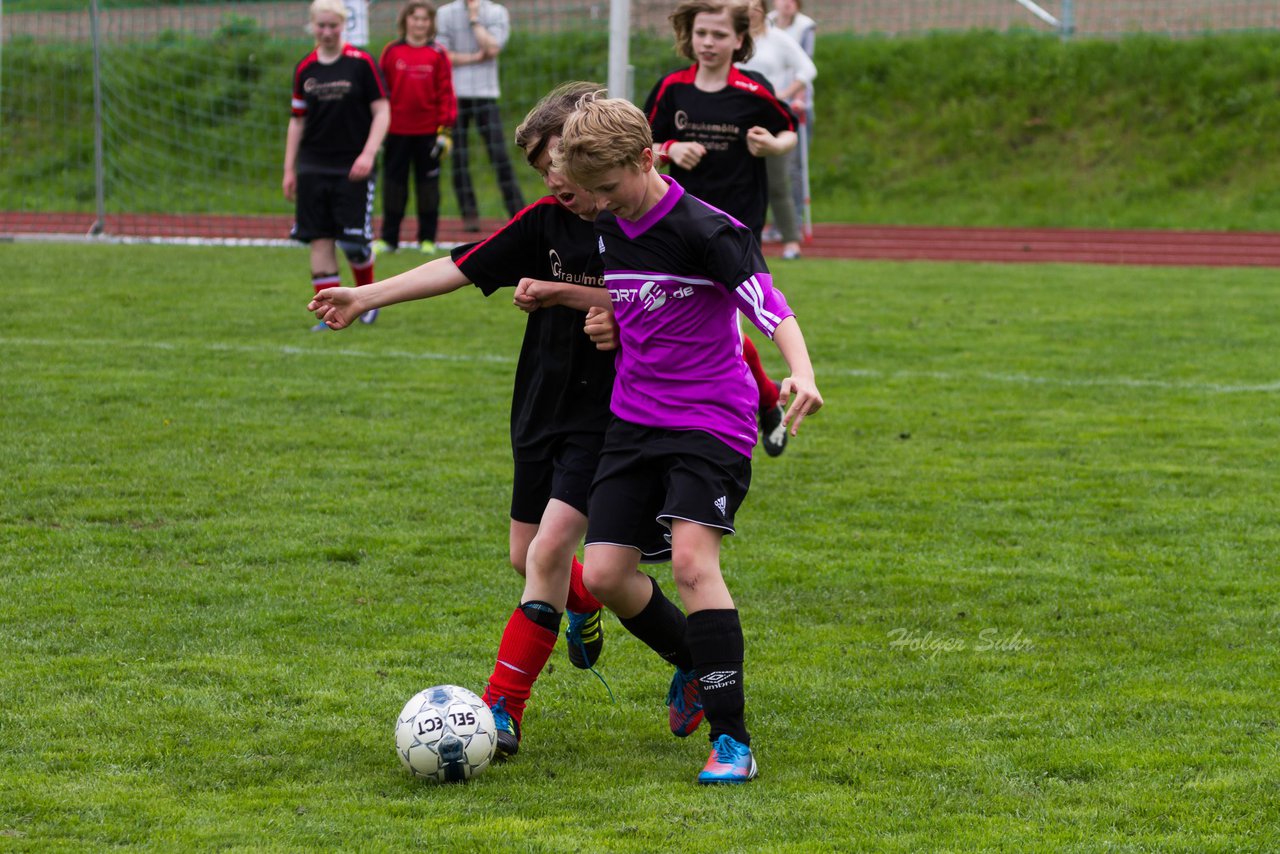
[(522, 654), (320, 281), (580, 599), (363, 273), (768, 389)]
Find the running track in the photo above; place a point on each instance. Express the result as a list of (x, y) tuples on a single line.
[(830, 240)]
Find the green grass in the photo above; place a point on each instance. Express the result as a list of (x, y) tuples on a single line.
[(1013, 589)]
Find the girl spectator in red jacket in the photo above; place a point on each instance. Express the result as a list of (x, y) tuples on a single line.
[(423, 111)]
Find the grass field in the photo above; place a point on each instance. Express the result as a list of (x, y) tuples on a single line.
[(1015, 588)]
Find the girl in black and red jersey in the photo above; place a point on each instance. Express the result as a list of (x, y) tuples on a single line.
[(714, 125), (559, 406), (340, 116), (423, 111)]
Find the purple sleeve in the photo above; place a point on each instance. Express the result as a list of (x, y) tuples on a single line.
[(762, 303), (733, 257)]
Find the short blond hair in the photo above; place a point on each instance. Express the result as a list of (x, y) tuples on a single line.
[(601, 135), (546, 119), (333, 7), (739, 16)]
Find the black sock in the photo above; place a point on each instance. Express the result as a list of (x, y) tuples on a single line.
[(661, 625), (715, 642)]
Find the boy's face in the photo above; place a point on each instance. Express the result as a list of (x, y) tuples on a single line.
[(567, 193), (622, 191)]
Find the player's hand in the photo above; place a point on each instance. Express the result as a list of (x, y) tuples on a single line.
[(601, 328), (528, 295), (760, 142), (338, 307), (686, 155), (804, 397), (362, 168), (290, 185)]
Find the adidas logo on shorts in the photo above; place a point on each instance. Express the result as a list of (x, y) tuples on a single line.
[(721, 504)]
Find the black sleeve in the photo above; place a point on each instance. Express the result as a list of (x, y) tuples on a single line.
[(503, 258)]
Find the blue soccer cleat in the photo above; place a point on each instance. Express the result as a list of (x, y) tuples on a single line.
[(684, 703), (731, 761), (508, 731)]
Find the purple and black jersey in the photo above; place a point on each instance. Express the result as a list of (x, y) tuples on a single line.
[(678, 278), (335, 100), (728, 176), (562, 382)]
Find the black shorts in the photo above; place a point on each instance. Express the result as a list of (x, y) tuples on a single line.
[(334, 207), (565, 474), (649, 476)]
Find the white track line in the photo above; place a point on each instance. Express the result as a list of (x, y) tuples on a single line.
[(867, 373)]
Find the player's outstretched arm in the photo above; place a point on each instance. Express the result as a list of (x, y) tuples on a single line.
[(798, 392), (339, 307), (533, 294)]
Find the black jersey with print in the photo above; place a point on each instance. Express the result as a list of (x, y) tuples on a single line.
[(562, 382), (335, 100), (728, 176)]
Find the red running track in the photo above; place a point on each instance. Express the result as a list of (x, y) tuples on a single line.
[(830, 240)]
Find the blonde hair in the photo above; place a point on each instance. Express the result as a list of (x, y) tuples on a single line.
[(546, 119), (333, 7), (601, 135), (739, 16), (402, 20)]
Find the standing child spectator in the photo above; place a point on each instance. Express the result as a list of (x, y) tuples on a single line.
[(340, 116), (715, 125), (790, 71), (423, 111), (475, 32), (678, 449), (786, 16)]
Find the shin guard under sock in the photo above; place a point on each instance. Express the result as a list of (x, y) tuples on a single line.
[(522, 653), (715, 642)]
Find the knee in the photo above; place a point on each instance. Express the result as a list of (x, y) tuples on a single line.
[(601, 581), (517, 562), (691, 574)]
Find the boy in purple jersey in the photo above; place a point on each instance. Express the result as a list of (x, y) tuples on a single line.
[(715, 125), (559, 409), (678, 451), (340, 117)]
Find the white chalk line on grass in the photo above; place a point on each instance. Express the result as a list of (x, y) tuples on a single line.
[(260, 349), (867, 373)]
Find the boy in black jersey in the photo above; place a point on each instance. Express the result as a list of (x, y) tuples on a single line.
[(559, 407), (714, 124), (678, 450), (340, 117)]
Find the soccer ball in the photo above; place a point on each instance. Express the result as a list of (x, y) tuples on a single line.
[(446, 734)]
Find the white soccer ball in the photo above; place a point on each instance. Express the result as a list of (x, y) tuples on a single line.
[(447, 734)]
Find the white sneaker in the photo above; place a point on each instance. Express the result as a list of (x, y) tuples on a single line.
[(369, 316)]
